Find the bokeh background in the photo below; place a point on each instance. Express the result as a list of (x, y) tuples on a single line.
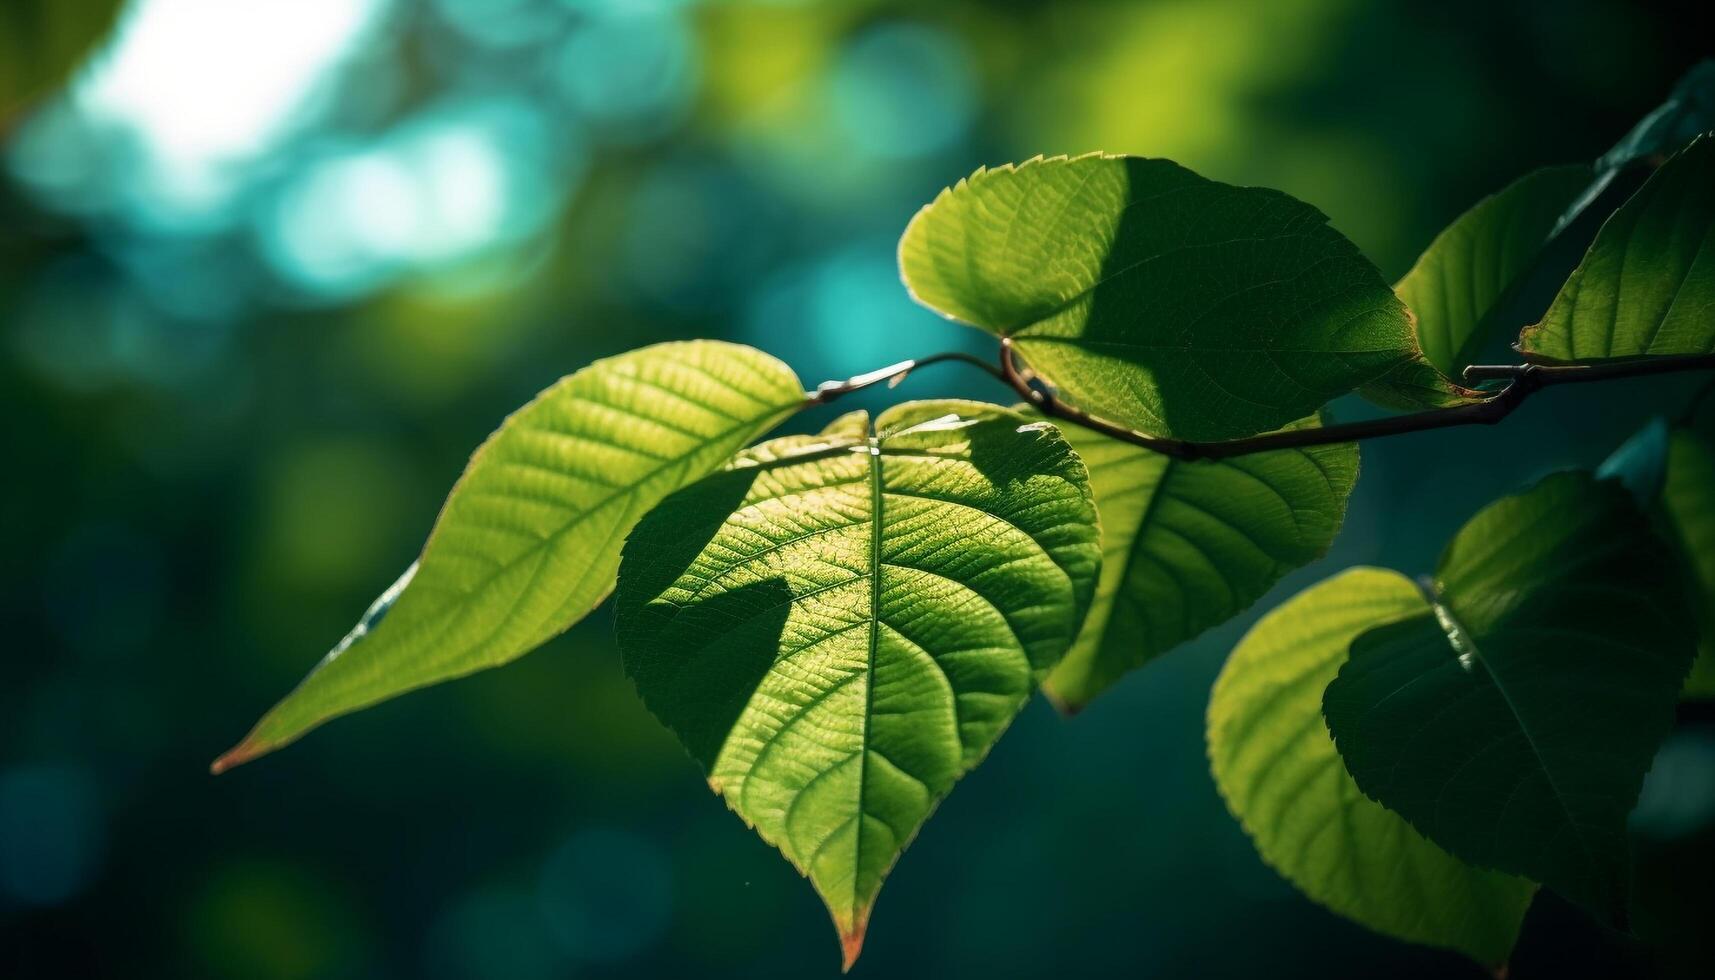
[(270, 269)]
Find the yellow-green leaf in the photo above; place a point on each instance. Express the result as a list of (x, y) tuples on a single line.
[(838, 628), (1647, 285), (1155, 298), (529, 539), (1463, 275), (1277, 768), (1188, 545)]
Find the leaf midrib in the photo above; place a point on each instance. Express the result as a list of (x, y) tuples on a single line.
[(875, 524), (630, 491), (1443, 609)]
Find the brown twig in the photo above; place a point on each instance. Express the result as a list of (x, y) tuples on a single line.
[(1526, 380), (1523, 380)]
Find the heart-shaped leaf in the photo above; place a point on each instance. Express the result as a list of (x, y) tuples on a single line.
[(1647, 285), (1155, 298), (529, 539), (1513, 723), (1276, 767), (1461, 277), (838, 627), (1188, 545)]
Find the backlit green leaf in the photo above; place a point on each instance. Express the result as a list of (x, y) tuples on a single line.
[(1647, 285), (1188, 545), (1157, 298), (1513, 723), (529, 540), (837, 628), (1461, 277), (1276, 767)]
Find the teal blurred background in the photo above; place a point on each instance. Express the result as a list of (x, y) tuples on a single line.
[(270, 269)]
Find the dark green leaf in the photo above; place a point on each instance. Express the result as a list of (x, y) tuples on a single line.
[(1278, 771), (1189, 545), (1156, 298), (837, 628), (1688, 498), (1672, 474), (1513, 724)]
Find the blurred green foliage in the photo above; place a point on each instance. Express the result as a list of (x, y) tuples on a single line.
[(41, 41), (269, 270)]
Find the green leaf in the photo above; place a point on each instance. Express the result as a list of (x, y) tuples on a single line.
[(1462, 276), (1276, 767), (1671, 473), (41, 41), (1155, 298), (1688, 498), (838, 628), (529, 540), (1188, 545), (1513, 723), (1647, 285), (1688, 111)]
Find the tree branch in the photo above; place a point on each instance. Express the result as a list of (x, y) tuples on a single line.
[(1524, 380), (1527, 379)]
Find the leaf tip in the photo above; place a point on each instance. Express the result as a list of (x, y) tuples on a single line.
[(238, 755), (851, 942), (1067, 708)]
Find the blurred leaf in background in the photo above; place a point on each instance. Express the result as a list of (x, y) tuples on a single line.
[(41, 41)]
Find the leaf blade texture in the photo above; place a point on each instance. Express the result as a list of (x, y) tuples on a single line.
[(1688, 497), (1465, 273), (1188, 545), (1647, 285), (837, 628), (1673, 471), (528, 541), (1276, 768), (1513, 723), (1157, 298)]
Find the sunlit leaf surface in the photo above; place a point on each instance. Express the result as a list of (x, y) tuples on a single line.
[(529, 540), (1647, 285), (838, 627), (1188, 545), (1276, 767), (1461, 277), (1157, 298)]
